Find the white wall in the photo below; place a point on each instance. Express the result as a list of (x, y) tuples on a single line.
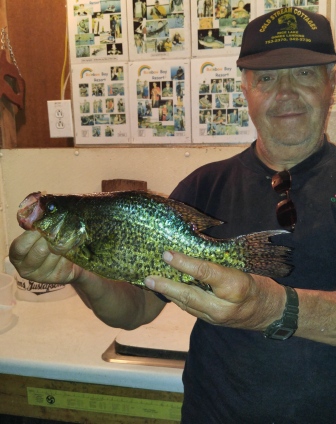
[(81, 170), (23, 171), (3, 223)]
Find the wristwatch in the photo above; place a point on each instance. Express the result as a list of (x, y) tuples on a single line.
[(285, 327)]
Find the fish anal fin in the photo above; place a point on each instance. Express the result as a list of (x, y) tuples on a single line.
[(200, 284), (190, 281)]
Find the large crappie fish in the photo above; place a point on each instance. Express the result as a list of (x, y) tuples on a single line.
[(122, 235)]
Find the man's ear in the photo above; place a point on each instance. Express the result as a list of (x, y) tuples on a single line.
[(243, 85)]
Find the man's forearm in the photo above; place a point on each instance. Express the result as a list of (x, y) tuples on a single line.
[(117, 303), (317, 316)]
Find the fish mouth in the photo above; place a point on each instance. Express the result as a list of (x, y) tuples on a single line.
[(30, 211)]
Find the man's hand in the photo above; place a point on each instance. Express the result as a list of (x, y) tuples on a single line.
[(117, 303), (32, 258), (237, 299)]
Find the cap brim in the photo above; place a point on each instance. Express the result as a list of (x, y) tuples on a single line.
[(285, 58)]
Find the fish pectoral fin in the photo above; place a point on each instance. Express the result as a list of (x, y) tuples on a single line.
[(87, 253), (90, 254), (138, 283)]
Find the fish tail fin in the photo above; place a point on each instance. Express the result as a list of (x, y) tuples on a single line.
[(262, 257)]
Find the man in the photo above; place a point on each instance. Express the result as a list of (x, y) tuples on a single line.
[(176, 6), (139, 9), (167, 45), (158, 11), (200, 8), (179, 75), (155, 94), (208, 8), (233, 116), (249, 362), (167, 90), (81, 11)]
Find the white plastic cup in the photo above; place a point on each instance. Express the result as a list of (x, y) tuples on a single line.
[(31, 291), (7, 300), (6, 289)]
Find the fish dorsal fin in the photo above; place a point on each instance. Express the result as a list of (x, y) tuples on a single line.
[(199, 220)]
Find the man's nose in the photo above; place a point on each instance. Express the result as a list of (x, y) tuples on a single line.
[(286, 88)]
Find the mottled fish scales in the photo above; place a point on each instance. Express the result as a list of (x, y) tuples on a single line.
[(122, 235)]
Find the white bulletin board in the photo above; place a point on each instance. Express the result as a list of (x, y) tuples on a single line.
[(159, 30), (101, 106), (217, 28), (160, 101), (97, 31), (163, 72), (219, 112), (317, 6)]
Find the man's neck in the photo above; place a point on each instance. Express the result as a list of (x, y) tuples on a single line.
[(283, 157)]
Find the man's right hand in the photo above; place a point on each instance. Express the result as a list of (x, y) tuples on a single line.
[(117, 303), (31, 256)]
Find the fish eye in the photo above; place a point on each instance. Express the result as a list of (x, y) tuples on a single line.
[(51, 207)]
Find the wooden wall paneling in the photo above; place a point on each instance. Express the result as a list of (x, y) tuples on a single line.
[(7, 109), (37, 34)]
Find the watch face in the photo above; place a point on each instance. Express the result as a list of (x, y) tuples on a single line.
[(282, 333), (285, 327)]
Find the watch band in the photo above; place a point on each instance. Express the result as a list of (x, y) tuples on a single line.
[(286, 326)]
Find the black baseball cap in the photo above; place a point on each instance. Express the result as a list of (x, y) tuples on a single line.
[(286, 38)]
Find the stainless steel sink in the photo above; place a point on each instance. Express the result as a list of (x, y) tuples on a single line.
[(150, 357), (162, 343)]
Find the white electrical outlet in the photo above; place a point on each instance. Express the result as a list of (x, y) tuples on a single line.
[(60, 118)]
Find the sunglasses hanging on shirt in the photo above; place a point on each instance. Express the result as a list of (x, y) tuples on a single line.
[(285, 210)]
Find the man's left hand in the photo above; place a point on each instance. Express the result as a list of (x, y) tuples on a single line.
[(237, 299)]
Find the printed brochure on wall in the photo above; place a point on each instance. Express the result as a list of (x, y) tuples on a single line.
[(317, 6), (218, 25), (219, 113), (160, 101), (158, 29), (97, 31), (100, 98)]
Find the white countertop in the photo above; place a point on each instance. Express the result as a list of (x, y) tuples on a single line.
[(63, 340)]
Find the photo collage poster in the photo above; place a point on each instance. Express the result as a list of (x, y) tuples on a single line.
[(101, 109), (158, 29), (316, 6), (218, 26), (97, 30), (160, 101), (219, 107), (105, 32)]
